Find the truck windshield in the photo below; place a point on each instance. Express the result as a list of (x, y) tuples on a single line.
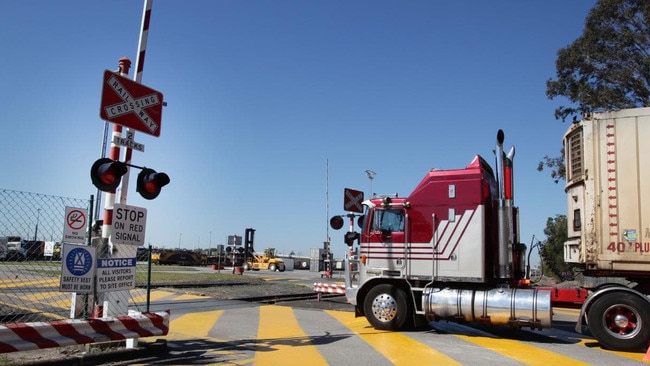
[(388, 220)]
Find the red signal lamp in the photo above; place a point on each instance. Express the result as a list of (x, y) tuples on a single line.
[(350, 237), (150, 183), (106, 174)]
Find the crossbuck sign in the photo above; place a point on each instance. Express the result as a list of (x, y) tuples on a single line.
[(131, 104), (352, 200)]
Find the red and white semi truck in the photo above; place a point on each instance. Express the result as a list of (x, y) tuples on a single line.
[(450, 250)]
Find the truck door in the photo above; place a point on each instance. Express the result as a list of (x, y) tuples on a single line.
[(387, 247)]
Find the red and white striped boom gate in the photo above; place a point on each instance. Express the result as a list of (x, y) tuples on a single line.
[(30, 336), (329, 288)]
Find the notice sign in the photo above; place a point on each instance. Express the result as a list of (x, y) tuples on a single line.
[(129, 224), (115, 274), (77, 268), (74, 229)]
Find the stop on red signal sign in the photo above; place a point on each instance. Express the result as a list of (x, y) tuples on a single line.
[(352, 200)]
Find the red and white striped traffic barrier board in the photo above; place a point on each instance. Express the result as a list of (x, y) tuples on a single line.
[(330, 288), (30, 336)]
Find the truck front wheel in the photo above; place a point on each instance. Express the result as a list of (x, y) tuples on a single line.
[(386, 308), (620, 321)]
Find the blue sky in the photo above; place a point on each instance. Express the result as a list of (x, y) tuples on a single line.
[(274, 107)]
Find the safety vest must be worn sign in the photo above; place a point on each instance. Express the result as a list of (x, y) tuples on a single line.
[(129, 224), (79, 266)]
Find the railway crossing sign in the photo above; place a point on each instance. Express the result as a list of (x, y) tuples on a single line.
[(131, 104), (352, 200)]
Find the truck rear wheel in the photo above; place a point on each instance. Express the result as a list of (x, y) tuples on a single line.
[(620, 321), (272, 267), (386, 308)]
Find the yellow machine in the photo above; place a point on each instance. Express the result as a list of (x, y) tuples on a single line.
[(181, 257), (266, 261)]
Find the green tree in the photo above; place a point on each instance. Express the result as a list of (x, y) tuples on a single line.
[(607, 68), (552, 249)]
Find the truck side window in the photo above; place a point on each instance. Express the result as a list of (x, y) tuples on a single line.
[(388, 220)]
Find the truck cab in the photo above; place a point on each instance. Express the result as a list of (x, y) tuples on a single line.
[(449, 250), (12, 248)]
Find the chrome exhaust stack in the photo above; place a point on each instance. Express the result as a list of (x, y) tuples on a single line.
[(504, 207)]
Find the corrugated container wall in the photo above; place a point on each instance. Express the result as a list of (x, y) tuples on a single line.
[(608, 191)]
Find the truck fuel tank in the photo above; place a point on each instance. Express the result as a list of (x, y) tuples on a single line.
[(499, 306)]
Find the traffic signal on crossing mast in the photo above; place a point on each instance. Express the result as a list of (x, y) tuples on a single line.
[(249, 239), (150, 183), (106, 174), (350, 237)]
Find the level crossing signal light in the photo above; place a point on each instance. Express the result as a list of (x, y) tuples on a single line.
[(248, 240), (350, 237), (106, 174), (151, 182)]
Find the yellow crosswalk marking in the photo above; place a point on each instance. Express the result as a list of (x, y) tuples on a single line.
[(154, 296), (565, 311), (189, 297), (522, 352), (287, 343), (193, 325), (398, 348), (636, 356), (10, 283)]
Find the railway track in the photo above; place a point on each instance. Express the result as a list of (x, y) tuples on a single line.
[(274, 299)]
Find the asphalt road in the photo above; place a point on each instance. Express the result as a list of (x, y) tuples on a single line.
[(209, 330)]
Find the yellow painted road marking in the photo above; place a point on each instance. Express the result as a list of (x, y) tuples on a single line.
[(396, 347), (189, 297), (155, 295), (566, 311), (281, 340), (521, 352), (592, 343), (194, 325), (56, 299), (21, 283)]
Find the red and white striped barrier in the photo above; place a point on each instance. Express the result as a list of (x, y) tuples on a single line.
[(330, 288), (30, 336)]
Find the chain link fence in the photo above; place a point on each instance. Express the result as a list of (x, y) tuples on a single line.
[(31, 242)]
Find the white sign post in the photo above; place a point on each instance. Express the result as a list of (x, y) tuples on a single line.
[(129, 224), (74, 229)]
